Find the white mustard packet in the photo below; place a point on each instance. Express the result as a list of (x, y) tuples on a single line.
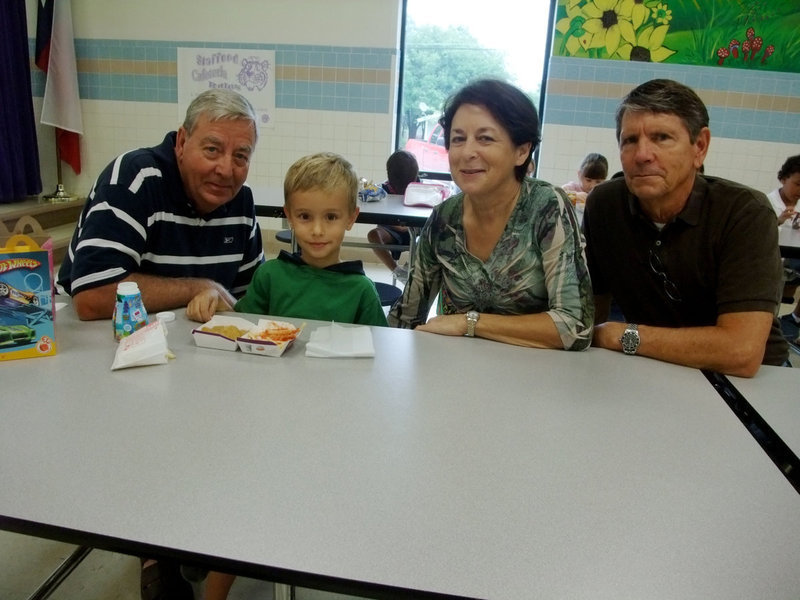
[(338, 341), (145, 346)]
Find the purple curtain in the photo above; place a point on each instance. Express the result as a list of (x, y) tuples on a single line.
[(19, 154)]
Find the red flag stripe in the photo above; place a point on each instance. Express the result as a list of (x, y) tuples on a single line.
[(69, 148), (61, 101), (44, 33)]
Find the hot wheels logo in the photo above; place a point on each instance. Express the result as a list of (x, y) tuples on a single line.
[(18, 263)]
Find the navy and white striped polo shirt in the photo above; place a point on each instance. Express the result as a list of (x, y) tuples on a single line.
[(138, 218)]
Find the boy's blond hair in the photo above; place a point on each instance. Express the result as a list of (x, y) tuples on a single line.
[(326, 171)]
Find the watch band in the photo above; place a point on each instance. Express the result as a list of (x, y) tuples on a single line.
[(472, 321)]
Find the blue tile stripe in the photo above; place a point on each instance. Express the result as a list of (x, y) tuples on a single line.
[(161, 56), (585, 110)]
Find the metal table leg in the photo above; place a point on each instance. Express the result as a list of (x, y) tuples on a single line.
[(58, 576), (281, 591)]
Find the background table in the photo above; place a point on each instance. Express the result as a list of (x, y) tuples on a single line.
[(443, 467), (789, 242), (389, 211), (775, 394)]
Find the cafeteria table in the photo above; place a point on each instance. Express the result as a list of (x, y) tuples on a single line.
[(774, 393), (444, 467), (789, 242)]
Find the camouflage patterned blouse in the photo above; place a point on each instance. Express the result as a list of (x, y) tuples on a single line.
[(537, 265)]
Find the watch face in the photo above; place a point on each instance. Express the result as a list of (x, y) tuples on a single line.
[(630, 341)]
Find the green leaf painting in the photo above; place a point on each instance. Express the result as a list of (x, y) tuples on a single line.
[(739, 34)]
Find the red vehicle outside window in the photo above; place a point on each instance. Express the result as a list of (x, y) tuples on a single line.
[(430, 151)]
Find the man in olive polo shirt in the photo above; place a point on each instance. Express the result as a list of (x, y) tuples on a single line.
[(691, 260)]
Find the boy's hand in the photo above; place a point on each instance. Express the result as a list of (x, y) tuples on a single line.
[(203, 306)]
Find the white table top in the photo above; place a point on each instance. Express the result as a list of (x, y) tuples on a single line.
[(449, 465), (775, 394), (389, 211)]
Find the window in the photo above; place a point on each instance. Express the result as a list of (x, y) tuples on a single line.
[(447, 43)]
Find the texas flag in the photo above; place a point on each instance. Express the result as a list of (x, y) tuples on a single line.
[(55, 55)]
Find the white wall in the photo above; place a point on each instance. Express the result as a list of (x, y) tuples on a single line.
[(323, 22)]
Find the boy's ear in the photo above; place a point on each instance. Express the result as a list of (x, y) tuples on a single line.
[(352, 219), (287, 214)]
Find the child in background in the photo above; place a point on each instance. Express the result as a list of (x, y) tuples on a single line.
[(320, 195), (593, 170), (784, 198), (784, 201), (401, 169)]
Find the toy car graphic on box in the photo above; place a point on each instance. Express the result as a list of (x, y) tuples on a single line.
[(269, 338), (26, 306), (221, 332), (22, 297), (16, 335)]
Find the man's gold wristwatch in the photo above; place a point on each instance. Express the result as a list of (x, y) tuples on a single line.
[(472, 321)]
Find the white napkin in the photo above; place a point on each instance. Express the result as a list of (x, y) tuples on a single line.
[(336, 341), (145, 346)]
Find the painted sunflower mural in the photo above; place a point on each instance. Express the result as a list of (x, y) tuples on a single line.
[(746, 34)]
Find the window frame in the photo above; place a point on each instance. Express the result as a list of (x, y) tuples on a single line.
[(401, 72)]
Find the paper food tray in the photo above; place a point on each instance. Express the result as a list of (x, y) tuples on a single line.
[(209, 339), (425, 194), (267, 347)]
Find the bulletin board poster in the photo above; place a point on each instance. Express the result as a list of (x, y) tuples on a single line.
[(249, 72), (735, 34)]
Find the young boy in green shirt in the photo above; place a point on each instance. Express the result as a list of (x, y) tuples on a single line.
[(320, 203)]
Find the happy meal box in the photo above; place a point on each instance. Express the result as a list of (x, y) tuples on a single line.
[(26, 298)]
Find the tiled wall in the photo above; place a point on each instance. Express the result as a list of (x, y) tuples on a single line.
[(336, 98), (754, 116), (306, 77)]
